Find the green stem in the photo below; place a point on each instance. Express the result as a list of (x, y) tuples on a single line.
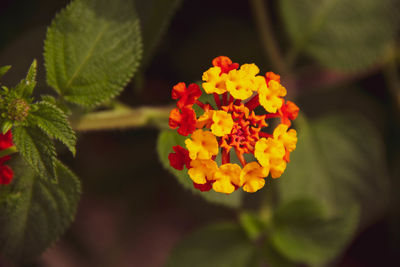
[(8, 151), (123, 118), (393, 78), (268, 202), (272, 52)]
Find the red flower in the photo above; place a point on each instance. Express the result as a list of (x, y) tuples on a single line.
[(180, 158), (288, 112), (225, 63), (187, 95), (6, 173), (186, 121)]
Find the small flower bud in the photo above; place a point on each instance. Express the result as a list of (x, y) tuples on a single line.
[(18, 110)]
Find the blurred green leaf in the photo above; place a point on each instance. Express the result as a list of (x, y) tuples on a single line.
[(341, 34), (155, 16), (339, 161), (252, 224), (273, 257), (53, 122), (166, 140), (4, 69), (218, 245), (37, 149), (92, 50), (35, 212), (303, 232)]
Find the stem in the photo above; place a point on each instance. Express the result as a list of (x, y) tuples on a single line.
[(217, 100), (200, 104), (272, 52), (268, 199), (231, 99), (266, 135), (123, 118), (272, 115), (8, 151), (225, 98), (240, 157), (253, 103), (225, 156)]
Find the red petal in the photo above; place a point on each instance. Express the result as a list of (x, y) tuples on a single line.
[(272, 76), (225, 63), (178, 90), (6, 174), (5, 140), (203, 187), (188, 122), (180, 158)]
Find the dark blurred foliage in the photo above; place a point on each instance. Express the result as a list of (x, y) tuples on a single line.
[(132, 211)]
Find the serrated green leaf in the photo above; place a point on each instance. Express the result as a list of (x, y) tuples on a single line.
[(155, 16), (49, 98), (35, 212), (166, 140), (218, 245), (25, 88), (4, 69), (53, 122), (338, 161), (341, 34), (303, 232), (6, 126), (37, 149), (92, 50), (59, 103)]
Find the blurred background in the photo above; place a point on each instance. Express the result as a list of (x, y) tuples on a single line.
[(133, 212)]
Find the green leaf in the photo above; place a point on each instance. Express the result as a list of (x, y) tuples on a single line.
[(341, 34), (339, 161), (35, 212), (25, 87), (252, 224), (166, 140), (6, 126), (37, 149), (303, 232), (4, 69), (273, 257), (92, 50), (54, 122), (155, 16), (217, 245)]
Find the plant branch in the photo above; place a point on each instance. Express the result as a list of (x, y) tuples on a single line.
[(123, 118), (272, 52)]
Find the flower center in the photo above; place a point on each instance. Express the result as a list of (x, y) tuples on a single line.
[(245, 131)]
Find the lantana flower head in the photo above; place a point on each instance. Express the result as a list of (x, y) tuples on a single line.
[(230, 130)]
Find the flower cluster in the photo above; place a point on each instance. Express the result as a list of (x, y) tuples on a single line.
[(231, 125), (6, 173)]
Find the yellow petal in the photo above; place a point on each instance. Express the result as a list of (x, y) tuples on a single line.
[(202, 170), (222, 123)]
